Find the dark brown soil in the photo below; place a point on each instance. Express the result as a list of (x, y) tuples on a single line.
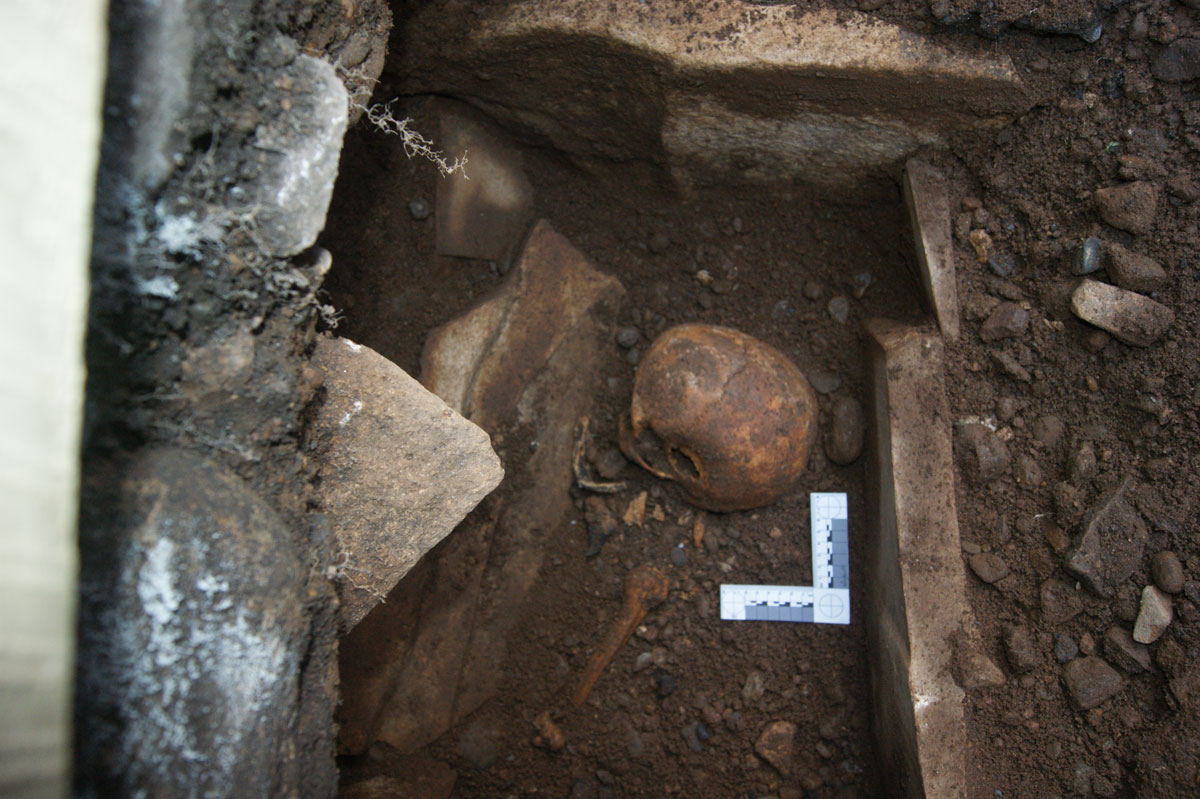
[(1032, 183)]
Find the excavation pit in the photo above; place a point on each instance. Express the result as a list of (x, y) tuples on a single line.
[(493, 627)]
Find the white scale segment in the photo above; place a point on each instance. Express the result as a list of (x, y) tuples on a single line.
[(827, 601)]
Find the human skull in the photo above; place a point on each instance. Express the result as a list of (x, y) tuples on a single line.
[(726, 416)]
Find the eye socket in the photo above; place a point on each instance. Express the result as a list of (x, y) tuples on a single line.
[(683, 463)]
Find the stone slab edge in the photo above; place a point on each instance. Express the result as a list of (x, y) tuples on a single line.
[(927, 197), (916, 585)]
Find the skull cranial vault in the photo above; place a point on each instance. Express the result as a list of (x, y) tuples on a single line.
[(725, 415)]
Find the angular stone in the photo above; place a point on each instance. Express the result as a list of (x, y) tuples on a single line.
[(1020, 650), (985, 457), (194, 633), (1154, 616), (1129, 206), (1134, 271), (777, 745), (1177, 62), (1091, 681), (844, 441), (916, 594), (1060, 602), (988, 567), (572, 73), (927, 197), (483, 212), (1114, 537), (1009, 320), (1134, 319), (1129, 656), (379, 436)]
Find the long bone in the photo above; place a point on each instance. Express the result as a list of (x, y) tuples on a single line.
[(644, 588)]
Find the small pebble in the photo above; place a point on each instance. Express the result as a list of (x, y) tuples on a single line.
[(1065, 648), (1167, 571), (628, 336), (664, 684), (812, 290), (839, 309), (1154, 616), (860, 284), (659, 243), (1003, 265), (1087, 257), (678, 556), (824, 382), (420, 209)]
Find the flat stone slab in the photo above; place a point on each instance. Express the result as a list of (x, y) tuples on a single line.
[(927, 197), (1131, 317), (917, 588), (737, 94), (526, 358), (398, 470), (484, 211)]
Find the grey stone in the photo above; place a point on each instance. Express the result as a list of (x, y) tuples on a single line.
[(1011, 366), (985, 457), (1134, 319), (299, 149), (378, 438), (1008, 320), (1060, 602), (1128, 655), (1087, 257), (1027, 473), (628, 337), (1134, 271), (988, 567), (193, 634), (1065, 648), (1167, 571), (1129, 206), (1178, 62), (1114, 537), (1018, 645), (1154, 616), (1091, 681), (847, 428)]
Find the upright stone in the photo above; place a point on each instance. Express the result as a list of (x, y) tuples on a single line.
[(398, 469), (927, 196), (916, 581), (483, 211)]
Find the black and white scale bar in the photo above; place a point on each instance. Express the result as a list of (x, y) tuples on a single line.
[(826, 602)]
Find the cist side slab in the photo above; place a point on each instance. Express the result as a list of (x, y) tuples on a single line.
[(916, 585)]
